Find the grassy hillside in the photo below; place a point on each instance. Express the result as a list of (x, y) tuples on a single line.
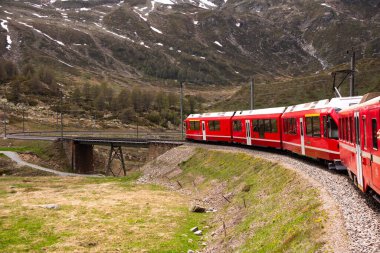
[(297, 90), (282, 213)]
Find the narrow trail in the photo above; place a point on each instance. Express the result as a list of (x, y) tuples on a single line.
[(16, 158)]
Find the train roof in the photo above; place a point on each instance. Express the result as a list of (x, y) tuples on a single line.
[(211, 115), (275, 110), (366, 103), (337, 103)]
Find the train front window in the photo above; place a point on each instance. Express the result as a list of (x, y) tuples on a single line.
[(330, 128), (374, 134)]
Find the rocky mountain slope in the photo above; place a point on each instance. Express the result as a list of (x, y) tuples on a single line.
[(199, 41)]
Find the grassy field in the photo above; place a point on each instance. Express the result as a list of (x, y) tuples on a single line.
[(97, 215), (282, 212)]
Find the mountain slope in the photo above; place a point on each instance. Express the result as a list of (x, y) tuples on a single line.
[(197, 41)]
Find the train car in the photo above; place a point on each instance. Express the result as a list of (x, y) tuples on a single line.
[(258, 127), (311, 129), (359, 143), (209, 126)]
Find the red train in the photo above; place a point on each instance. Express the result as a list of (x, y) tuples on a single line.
[(340, 131)]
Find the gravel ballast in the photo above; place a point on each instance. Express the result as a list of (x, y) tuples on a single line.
[(360, 214)]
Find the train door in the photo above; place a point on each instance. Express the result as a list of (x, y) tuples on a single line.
[(203, 130), (248, 131), (373, 116), (302, 134), (359, 165)]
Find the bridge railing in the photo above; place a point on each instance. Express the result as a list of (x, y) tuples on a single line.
[(154, 134)]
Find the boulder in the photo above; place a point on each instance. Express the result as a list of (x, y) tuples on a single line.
[(199, 232), (50, 206), (194, 229), (197, 209)]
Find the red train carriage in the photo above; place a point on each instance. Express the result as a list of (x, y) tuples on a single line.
[(258, 127), (359, 144), (311, 129), (209, 126)]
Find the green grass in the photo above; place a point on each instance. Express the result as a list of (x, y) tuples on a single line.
[(115, 213), (282, 214), (19, 234), (39, 148)]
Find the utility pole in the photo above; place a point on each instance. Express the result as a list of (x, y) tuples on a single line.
[(60, 91), (5, 112), (61, 102), (137, 126), (352, 79), (252, 91), (5, 120), (181, 108), (23, 118)]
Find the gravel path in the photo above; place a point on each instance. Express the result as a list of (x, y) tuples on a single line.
[(361, 214), (16, 158)]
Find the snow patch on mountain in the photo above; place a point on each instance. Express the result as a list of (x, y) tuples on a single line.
[(4, 25), (66, 63), (218, 43), (141, 16), (326, 5), (156, 30), (44, 34), (309, 48), (39, 16)]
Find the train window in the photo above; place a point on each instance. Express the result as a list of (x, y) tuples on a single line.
[(194, 125), (374, 134), (353, 130), (349, 133), (309, 126), (313, 126), (330, 128), (364, 132), (256, 125), (267, 125), (273, 123), (293, 126), (344, 128), (214, 125), (333, 129), (237, 126), (261, 128), (285, 125)]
